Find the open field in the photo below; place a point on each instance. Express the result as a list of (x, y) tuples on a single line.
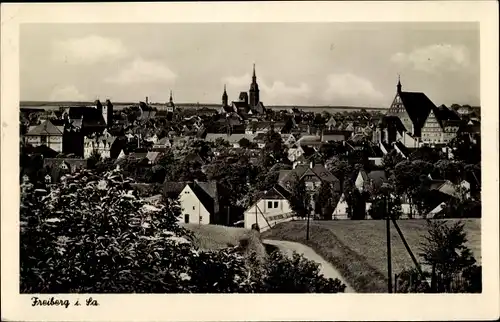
[(358, 248)]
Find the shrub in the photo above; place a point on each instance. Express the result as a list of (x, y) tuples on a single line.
[(297, 275)]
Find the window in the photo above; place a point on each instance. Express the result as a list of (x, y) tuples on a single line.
[(275, 204), (43, 139), (186, 219), (194, 207), (269, 204)]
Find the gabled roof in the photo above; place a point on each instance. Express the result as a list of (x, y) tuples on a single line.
[(46, 128), (418, 106), (152, 156)]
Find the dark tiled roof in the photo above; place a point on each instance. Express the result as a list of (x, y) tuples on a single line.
[(173, 188), (418, 107), (445, 115), (208, 194), (46, 128)]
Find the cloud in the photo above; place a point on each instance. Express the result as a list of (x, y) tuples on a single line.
[(349, 89), (143, 71), (66, 93), (277, 92), (434, 58), (88, 50)]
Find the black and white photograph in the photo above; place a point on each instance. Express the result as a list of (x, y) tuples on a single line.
[(249, 157)]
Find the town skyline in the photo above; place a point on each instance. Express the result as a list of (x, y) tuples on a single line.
[(343, 64)]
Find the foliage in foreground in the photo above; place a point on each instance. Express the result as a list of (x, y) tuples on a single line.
[(92, 234), (454, 268)]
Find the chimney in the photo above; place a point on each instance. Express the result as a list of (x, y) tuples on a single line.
[(147, 100)]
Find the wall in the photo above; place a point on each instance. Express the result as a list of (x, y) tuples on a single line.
[(53, 142), (264, 212), (432, 131), (190, 205), (340, 211)]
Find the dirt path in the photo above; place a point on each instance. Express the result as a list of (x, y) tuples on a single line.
[(326, 268)]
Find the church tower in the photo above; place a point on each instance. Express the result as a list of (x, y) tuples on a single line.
[(254, 90), (224, 97), (399, 85)]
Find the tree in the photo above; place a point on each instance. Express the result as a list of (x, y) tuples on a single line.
[(445, 250), (273, 151), (299, 200), (325, 200), (463, 148), (390, 160), (245, 143)]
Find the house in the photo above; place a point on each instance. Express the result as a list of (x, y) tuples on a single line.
[(412, 108), (331, 124), (100, 144), (153, 157), (271, 208), (200, 204), (46, 134), (441, 126), (340, 211), (295, 152), (162, 144), (362, 181), (58, 167), (312, 175), (288, 139), (260, 140)]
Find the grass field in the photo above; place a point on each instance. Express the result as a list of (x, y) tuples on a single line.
[(358, 248)]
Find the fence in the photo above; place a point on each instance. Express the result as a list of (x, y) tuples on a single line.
[(436, 283)]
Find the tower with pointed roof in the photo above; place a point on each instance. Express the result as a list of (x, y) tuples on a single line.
[(224, 97), (254, 90), (399, 84)]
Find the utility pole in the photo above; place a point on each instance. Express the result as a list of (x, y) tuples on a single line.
[(308, 215)]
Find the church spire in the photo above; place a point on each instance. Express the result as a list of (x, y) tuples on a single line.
[(171, 99), (224, 97), (399, 84), (254, 77)]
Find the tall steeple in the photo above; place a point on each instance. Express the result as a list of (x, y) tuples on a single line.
[(399, 84), (171, 99), (224, 97), (254, 90)]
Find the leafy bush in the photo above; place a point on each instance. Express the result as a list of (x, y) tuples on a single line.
[(297, 275), (94, 234)]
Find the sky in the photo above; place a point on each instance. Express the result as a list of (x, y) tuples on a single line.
[(336, 64)]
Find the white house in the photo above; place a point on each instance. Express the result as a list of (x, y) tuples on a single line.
[(340, 211), (270, 209), (193, 210)]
